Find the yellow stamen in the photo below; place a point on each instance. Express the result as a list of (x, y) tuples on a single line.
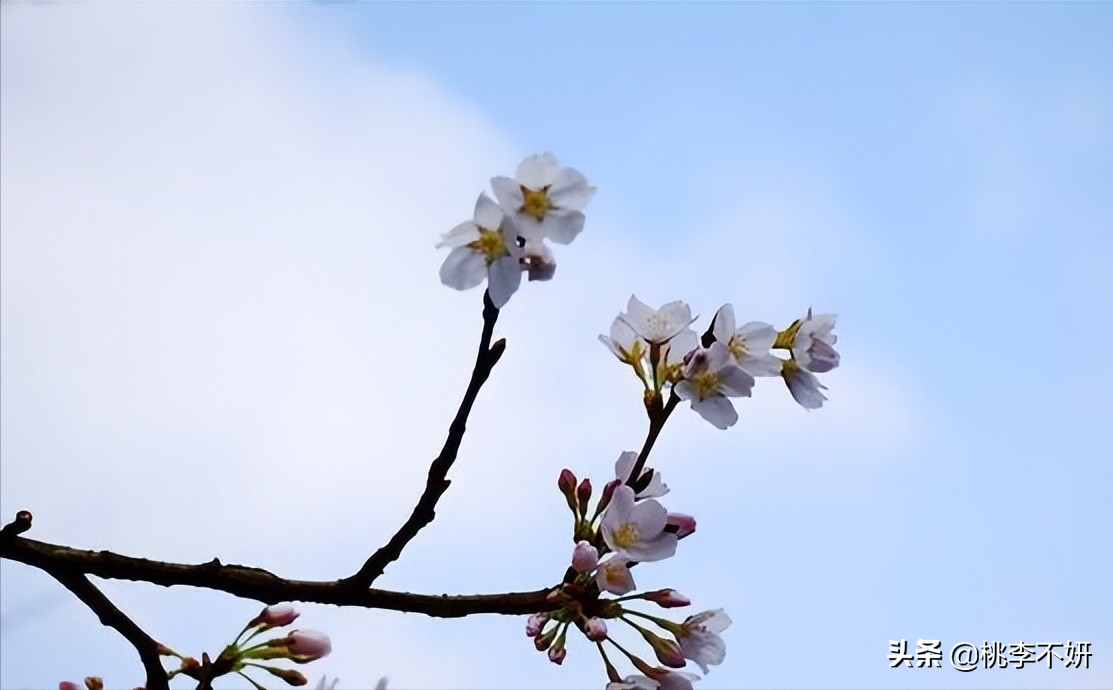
[(490, 244), (705, 383), (625, 536), (536, 202)]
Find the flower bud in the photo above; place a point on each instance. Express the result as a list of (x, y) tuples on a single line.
[(545, 640), (680, 523), (668, 652), (667, 598), (608, 491), (557, 652), (308, 645), (585, 557), (94, 683), (595, 629), (291, 676), (536, 624), (583, 491), (566, 482), (275, 616), (68, 685)]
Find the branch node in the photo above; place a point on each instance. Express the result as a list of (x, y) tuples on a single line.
[(21, 524)]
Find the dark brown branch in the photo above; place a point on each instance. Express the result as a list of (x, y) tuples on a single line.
[(437, 482), (113, 617), (262, 585)]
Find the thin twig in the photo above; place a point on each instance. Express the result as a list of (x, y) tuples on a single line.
[(437, 482)]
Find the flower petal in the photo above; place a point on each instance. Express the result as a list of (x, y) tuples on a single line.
[(463, 269), (504, 276), (716, 409)]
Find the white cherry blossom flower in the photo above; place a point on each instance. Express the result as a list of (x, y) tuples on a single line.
[(546, 199), (486, 247), (709, 377), (657, 326), (625, 465), (803, 385), (699, 638), (625, 343), (637, 531), (814, 345), (748, 345), (613, 575)]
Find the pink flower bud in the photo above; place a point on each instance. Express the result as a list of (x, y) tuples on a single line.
[(308, 645), (682, 524), (585, 557), (536, 624), (668, 652), (567, 485), (557, 654), (275, 616), (595, 629), (583, 492), (667, 598), (566, 482), (68, 685), (608, 491), (295, 678)]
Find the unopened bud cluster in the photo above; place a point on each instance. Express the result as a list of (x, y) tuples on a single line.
[(248, 652)]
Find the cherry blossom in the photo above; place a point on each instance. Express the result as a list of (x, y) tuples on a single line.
[(813, 348), (637, 531), (613, 575), (748, 345), (657, 326), (546, 199), (709, 377), (699, 638), (803, 385), (486, 247)]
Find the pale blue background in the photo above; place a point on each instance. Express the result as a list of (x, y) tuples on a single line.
[(223, 333)]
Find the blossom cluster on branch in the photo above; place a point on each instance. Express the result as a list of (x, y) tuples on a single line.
[(627, 527)]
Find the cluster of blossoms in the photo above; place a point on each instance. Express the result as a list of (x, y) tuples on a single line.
[(543, 201), (628, 526), (663, 350)]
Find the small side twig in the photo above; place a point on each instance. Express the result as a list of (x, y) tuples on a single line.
[(437, 482)]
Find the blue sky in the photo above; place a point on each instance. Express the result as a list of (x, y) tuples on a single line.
[(216, 259)]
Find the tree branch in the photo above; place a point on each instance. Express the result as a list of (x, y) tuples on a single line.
[(262, 585), (73, 579), (113, 617), (437, 482)]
